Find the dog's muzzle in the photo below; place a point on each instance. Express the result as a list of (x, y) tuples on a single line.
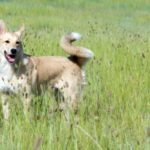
[(12, 56)]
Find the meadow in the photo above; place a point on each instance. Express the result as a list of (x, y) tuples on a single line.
[(114, 111)]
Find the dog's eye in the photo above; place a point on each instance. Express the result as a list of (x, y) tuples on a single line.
[(17, 42), (7, 41)]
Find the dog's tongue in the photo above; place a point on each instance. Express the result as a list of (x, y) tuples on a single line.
[(10, 58)]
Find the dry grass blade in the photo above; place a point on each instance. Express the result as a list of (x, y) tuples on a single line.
[(37, 143)]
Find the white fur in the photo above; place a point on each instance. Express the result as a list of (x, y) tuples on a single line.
[(89, 54), (25, 61), (9, 82), (5, 75), (83, 77), (75, 35)]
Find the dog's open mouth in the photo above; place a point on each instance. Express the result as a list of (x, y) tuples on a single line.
[(10, 57)]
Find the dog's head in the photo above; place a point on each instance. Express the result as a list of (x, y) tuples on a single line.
[(10, 44)]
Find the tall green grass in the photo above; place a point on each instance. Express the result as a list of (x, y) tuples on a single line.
[(114, 112)]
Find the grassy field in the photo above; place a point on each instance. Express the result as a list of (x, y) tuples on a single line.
[(114, 113)]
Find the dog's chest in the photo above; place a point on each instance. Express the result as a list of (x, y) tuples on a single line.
[(5, 70), (10, 82), (5, 77), (13, 85)]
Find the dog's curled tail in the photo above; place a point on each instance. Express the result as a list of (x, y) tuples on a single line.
[(80, 55)]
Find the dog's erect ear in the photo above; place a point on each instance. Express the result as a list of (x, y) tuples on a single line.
[(2, 27), (20, 31)]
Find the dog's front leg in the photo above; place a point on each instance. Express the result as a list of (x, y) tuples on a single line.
[(26, 97), (26, 102), (5, 106)]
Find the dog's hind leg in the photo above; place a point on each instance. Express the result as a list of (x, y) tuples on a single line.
[(71, 91), (5, 106)]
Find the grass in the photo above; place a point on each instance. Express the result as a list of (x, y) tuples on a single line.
[(114, 112)]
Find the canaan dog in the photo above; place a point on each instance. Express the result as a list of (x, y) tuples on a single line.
[(24, 74)]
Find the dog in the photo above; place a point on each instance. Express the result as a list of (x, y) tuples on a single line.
[(24, 74)]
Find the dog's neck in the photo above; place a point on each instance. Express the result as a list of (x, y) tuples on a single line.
[(21, 66)]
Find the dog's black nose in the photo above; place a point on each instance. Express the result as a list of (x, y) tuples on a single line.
[(13, 51)]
